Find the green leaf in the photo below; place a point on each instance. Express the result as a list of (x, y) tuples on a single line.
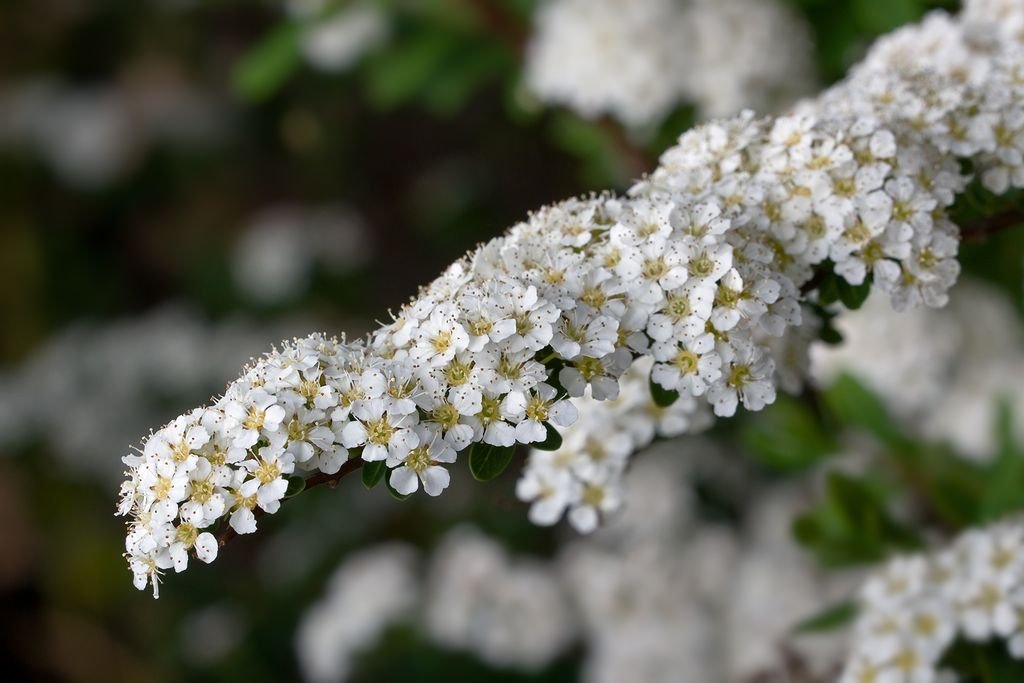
[(267, 66), (1004, 492), (402, 72), (856, 405), (982, 662), (373, 472), (853, 296), (828, 619), (829, 334), (828, 289), (552, 442), (462, 75), (661, 396), (296, 485), (487, 462), (851, 525), (787, 436), (882, 16)]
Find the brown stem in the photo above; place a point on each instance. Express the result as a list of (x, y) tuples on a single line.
[(331, 480), (637, 160), (498, 20), (991, 225)]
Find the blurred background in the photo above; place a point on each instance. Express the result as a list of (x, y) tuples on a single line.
[(184, 183)]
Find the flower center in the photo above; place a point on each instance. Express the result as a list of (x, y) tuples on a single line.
[(594, 297), (442, 341), (180, 451), (446, 415), (490, 410), (187, 534), (655, 268), (738, 376), (419, 459), (537, 409), (702, 266), (297, 431), (254, 418), (589, 367), (457, 373), (679, 307), (379, 432), (268, 471), (686, 361), (202, 491)]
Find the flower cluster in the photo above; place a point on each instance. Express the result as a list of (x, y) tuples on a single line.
[(368, 593), (584, 476), (702, 268), (334, 39), (623, 59), (916, 606), (660, 589), (942, 372)]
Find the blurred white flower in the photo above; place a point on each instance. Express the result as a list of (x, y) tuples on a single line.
[(366, 594), (275, 257)]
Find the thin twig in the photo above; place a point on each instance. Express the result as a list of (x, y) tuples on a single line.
[(498, 20), (992, 225), (331, 480)]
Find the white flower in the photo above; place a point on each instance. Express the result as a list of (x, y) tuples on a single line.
[(421, 464), (688, 367), (746, 377), (580, 333), (532, 411), (186, 538), (549, 490), (381, 433), (257, 415), (242, 519), (439, 338), (270, 469), (600, 374)]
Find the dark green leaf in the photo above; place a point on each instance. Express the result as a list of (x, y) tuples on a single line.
[(829, 334), (661, 396), (982, 662), (829, 618), (1004, 492), (404, 71), (828, 288), (487, 462), (851, 524), (296, 485), (881, 16), (856, 405), (853, 296), (552, 442), (268, 65), (373, 472), (787, 436)]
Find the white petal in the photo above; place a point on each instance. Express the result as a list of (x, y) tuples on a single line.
[(206, 547), (435, 480), (404, 480)]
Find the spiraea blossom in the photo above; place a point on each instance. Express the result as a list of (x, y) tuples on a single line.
[(682, 299), (916, 606), (636, 60)]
